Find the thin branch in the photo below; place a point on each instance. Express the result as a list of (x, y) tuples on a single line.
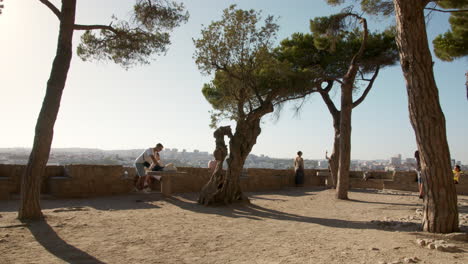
[(368, 88), (364, 39), (54, 9), (292, 98), (447, 11), (92, 27)]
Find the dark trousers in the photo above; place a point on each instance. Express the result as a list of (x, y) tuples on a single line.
[(299, 179)]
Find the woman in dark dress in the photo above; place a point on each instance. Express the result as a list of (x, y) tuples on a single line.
[(299, 169)]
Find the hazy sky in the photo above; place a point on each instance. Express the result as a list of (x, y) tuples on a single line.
[(107, 107)]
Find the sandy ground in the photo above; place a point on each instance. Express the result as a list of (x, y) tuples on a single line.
[(295, 225)]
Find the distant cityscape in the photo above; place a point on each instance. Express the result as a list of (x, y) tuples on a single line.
[(199, 159)]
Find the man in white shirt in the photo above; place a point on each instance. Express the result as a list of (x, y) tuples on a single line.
[(149, 159)]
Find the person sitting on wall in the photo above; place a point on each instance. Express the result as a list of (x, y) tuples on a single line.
[(151, 160), (366, 175)]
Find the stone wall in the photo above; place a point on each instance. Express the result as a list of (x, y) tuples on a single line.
[(81, 181)]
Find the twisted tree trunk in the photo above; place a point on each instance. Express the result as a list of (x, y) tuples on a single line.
[(225, 188), (31, 181), (217, 180), (427, 118)]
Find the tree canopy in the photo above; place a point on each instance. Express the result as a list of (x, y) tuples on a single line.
[(134, 41), (452, 44), (330, 47), (247, 75)]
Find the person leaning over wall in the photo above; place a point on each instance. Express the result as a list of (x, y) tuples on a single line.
[(148, 159)]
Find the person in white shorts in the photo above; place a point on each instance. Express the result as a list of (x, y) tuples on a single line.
[(149, 159)]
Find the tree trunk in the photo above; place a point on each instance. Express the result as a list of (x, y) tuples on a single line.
[(31, 180), (427, 118), (334, 157), (216, 182), (345, 138), (225, 189)]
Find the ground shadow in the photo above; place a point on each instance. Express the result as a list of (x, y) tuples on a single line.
[(286, 192), (134, 201), (256, 212), (48, 238)]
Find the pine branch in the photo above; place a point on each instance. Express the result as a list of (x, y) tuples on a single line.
[(447, 11), (54, 9), (92, 27)]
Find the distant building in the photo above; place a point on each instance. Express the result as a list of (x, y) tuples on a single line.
[(396, 161), (323, 164)]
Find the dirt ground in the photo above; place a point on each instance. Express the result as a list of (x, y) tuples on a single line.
[(295, 225)]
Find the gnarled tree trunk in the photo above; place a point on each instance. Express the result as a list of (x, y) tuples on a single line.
[(427, 118), (217, 180), (225, 188), (31, 180)]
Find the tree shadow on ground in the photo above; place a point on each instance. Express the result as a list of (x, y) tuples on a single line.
[(134, 201), (370, 202), (48, 238), (288, 192), (256, 212)]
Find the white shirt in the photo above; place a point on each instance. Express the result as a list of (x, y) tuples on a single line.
[(145, 156)]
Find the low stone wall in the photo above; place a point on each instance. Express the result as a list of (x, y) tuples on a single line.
[(81, 181)]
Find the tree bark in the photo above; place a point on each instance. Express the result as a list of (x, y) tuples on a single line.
[(217, 180), (226, 189), (427, 118), (31, 180), (334, 158), (345, 117), (345, 138)]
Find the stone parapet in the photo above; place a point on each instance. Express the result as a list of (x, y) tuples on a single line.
[(82, 181)]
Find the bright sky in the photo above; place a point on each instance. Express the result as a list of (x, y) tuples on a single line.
[(107, 107)]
